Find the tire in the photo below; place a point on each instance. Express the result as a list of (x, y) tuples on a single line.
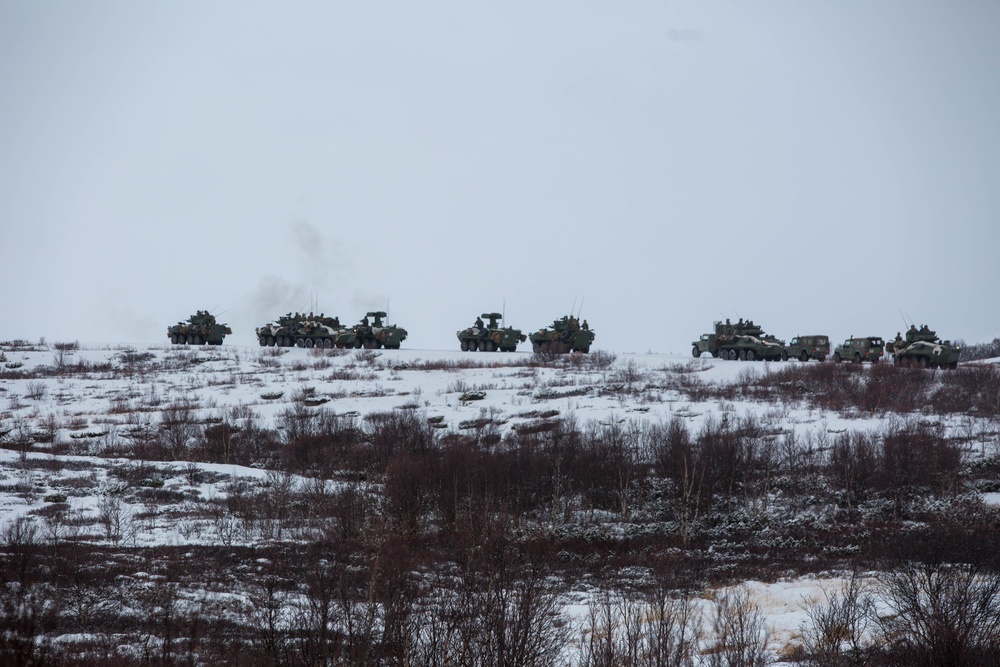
[(183, 339), (751, 355), (175, 339), (464, 346), (536, 348), (270, 341), (924, 362), (473, 345), (836, 357), (857, 357), (784, 355), (743, 355), (804, 357), (695, 352), (715, 355)]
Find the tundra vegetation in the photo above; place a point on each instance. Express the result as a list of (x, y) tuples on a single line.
[(227, 506)]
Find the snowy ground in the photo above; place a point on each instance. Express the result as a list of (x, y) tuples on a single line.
[(103, 393)]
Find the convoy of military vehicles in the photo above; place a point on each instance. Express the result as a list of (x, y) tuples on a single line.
[(744, 340), (747, 342)]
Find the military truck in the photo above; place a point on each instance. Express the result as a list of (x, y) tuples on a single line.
[(373, 334), (863, 348), (745, 341), (924, 349), (305, 330), (200, 328), (490, 337), (804, 348), (565, 335)]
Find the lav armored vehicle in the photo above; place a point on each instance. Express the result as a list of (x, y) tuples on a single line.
[(923, 348), (490, 337), (200, 328), (745, 341), (566, 335), (374, 334), (864, 348), (805, 348), (305, 330)]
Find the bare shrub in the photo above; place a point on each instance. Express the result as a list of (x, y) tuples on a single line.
[(940, 615), (35, 390), (839, 630), (740, 636)]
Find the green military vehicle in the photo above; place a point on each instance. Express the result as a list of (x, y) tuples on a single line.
[(804, 348), (566, 335), (924, 349), (374, 334), (490, 337), (745, 341), (865, 348), (200, 329), (305, 330)]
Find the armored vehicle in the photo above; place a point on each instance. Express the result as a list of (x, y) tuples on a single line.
[(566, 335), (805, 348), (305, 330), (490, 337), (866, 348), (923, 348), (374, 334), (743, 340), (199, 329)]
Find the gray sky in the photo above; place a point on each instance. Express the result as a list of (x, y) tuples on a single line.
[(818, 167)]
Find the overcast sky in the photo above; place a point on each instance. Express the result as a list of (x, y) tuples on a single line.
[(817, 167)]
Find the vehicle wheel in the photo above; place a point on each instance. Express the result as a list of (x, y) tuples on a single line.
[(804, 357), (784, 355), (464, 346), (715, 355), (585, 350), (182, 340), (536, 348), (473, 345), (836, 357), (924, 362), (857, 357), (695, 352), (269, 341), (196, 340), (174, 339), (743, 355), (751, 355)]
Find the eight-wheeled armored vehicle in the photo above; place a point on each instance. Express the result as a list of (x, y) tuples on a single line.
[(743, 340), (200, 328), (567, 334), (373, 334), (804, 348), (305, 330), (923, 348), (858, 349), (490, 337)]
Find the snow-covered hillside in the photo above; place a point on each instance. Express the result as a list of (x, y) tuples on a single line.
[(138, 455)]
